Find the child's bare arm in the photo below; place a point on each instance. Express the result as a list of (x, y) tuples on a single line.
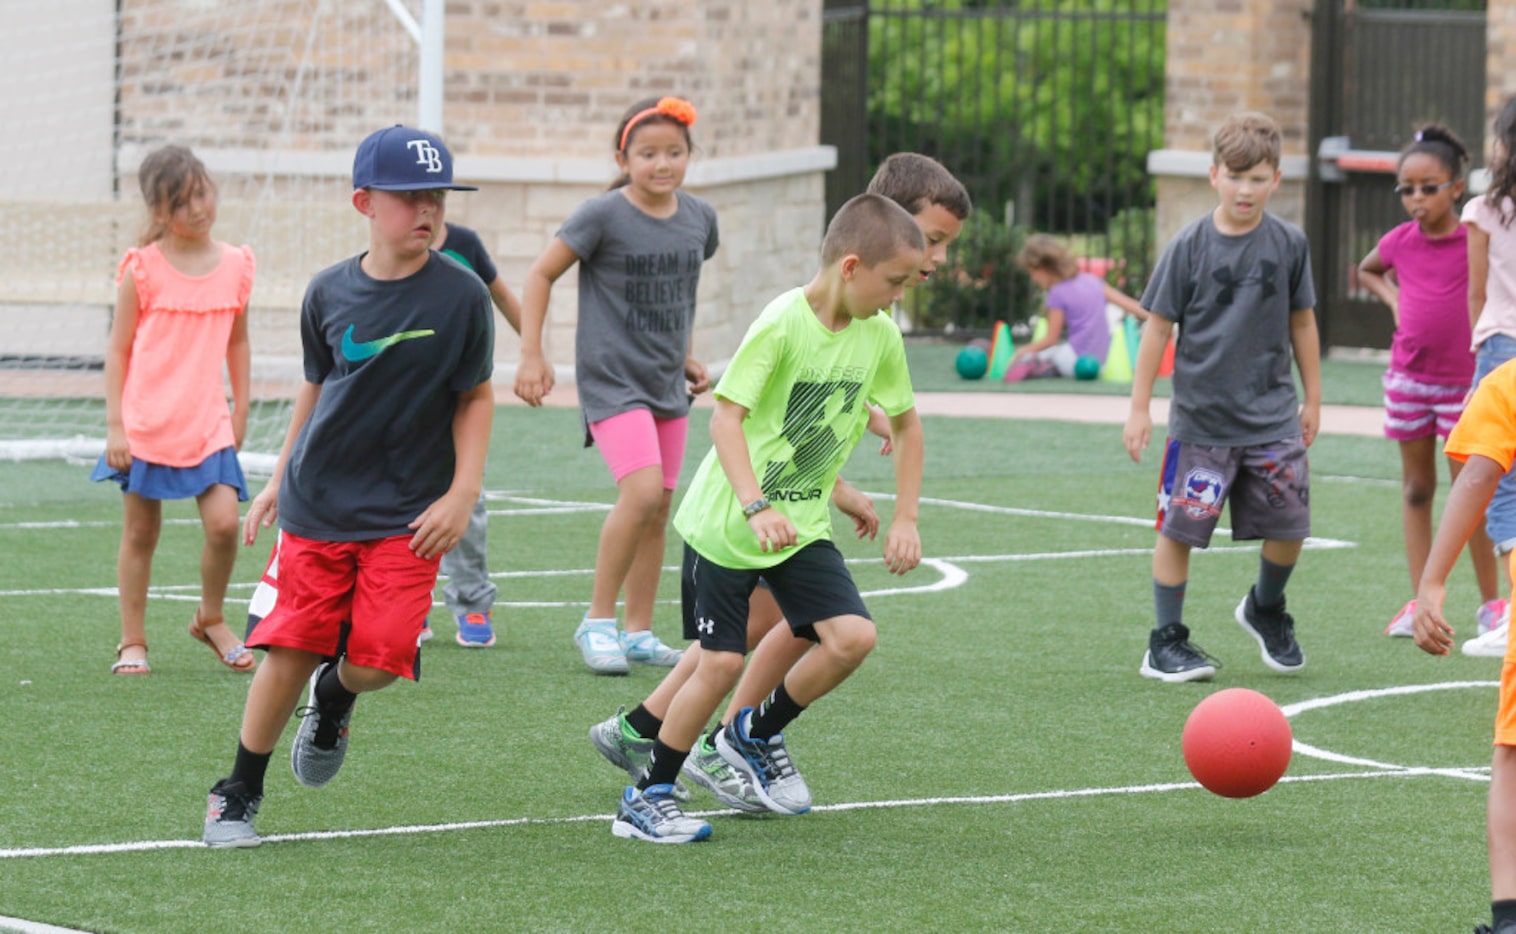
[(1479, 270), (118, 352), (239, 365), (902, 543), (1306, 345), (506, 301), (442, 524), (1372, 276), (1125, 302), (1139, 421), (534, 375), (1464, 511), (263, 511), (773, 528)]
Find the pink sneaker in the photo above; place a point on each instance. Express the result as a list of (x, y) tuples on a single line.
[(1018, 372), (1492, 615), (1401, 624)]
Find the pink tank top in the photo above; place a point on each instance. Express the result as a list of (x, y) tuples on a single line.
[(174, 402)]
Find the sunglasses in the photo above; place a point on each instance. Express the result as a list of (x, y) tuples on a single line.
[(1405, 191)]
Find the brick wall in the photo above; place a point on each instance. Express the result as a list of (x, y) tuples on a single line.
[(1225, 56), (533, 93)]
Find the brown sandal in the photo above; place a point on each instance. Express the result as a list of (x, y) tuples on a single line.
[(130, 666), (239, 658)]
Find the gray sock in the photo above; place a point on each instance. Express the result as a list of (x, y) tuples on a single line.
[(1168, 603), (1268, 593)]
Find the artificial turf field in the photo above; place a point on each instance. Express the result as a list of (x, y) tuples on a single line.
[(997, 764)]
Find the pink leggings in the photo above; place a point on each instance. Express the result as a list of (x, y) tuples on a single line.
[(636, 439)]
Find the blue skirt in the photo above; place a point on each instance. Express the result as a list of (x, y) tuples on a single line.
[(155, 481)]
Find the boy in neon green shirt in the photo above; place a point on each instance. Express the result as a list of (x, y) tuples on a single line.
[(789, 411)]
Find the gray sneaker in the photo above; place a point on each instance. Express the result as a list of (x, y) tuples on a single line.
[(654, 815), (645, 648), (766, 765), (706, 768), (626, 750), (321, 742), (229, 816)]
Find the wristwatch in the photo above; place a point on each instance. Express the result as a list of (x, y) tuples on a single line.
[(755, 507)]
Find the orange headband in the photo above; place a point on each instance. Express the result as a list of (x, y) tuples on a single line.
[(676, 107)]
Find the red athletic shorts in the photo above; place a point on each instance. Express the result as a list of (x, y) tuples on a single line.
[(379, 584)]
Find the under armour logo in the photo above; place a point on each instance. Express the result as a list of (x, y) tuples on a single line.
[(707, 626), (426, 154)]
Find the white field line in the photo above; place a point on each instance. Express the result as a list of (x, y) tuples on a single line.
[(93, 849)]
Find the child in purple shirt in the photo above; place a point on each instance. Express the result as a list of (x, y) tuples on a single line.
[(1075, 300)]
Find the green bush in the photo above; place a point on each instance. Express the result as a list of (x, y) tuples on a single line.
[(979, 284)]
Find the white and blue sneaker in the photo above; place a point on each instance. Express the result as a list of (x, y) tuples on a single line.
[(601, 646), (653, 815), (765, 764), (645, 648)]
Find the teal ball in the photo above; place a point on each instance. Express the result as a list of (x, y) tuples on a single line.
[(1086, 367), (972, 363)]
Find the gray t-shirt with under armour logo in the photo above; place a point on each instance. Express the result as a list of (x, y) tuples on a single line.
[(1232, 297)]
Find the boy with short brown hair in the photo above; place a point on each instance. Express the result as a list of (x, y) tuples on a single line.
[(1238, 284)]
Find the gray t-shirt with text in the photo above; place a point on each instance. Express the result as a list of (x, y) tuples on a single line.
[(1232, 297), (637, 280)]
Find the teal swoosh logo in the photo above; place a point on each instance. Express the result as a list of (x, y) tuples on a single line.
[(355, 351)]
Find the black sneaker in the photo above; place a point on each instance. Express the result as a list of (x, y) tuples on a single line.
[(1172, 657), (1275, 631), (1505, 927)]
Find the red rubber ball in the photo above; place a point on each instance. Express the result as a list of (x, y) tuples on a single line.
[(1237, 743)]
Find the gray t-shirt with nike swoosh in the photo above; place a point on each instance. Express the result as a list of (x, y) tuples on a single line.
[(390, 357)]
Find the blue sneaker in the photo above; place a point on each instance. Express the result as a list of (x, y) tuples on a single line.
[(654, 815), (475, 631), (644, 648), (601, 647)]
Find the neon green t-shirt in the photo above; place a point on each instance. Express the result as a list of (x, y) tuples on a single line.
[(805, 389)]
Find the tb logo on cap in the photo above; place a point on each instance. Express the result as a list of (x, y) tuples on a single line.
[(426, 154)]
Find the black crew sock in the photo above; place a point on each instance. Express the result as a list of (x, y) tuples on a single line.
[(1504, 910), (643, 722), (1268, 593), (664, 765), (249, 769), (774, 714), (331, 696)]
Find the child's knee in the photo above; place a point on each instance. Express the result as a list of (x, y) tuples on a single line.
[(850, 638), (720, 666)]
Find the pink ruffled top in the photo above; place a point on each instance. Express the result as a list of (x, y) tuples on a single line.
[(174, 402)]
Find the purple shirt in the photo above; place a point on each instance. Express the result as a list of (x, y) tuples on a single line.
[(1432, 341), (1082, 301)]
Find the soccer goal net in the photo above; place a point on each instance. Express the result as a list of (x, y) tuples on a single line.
[(273, 95)]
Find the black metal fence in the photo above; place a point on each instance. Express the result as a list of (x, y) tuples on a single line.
[(1046, 111)]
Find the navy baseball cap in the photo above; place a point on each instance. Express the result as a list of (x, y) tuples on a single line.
[(401, 158)]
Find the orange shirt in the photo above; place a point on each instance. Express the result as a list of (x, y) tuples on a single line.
[(1488, 423), (174, 401)]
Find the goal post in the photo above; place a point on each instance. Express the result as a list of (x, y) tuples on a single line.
[(273, 95)]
